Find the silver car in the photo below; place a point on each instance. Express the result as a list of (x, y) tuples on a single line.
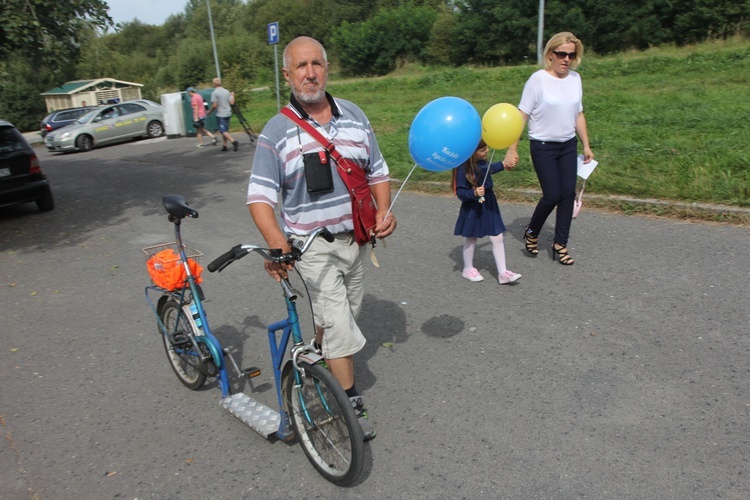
[(108, 124)]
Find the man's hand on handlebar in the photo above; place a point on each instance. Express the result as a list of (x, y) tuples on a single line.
[(279, 270)]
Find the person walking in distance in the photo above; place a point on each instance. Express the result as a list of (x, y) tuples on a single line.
[(286, 155), (552, 104), (221, 101), (479, 215), (199, 117)]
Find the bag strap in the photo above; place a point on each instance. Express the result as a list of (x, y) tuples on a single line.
[(307, 127)]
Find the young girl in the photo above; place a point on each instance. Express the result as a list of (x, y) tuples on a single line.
[(480, 214)]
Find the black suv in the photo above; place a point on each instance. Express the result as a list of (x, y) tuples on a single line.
[(60, 118), (21, 177)]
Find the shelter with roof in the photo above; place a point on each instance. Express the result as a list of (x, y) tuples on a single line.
[(98, 91)]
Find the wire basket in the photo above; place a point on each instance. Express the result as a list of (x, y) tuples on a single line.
[(165, 268)]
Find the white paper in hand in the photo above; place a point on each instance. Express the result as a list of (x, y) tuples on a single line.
[(585, 169)]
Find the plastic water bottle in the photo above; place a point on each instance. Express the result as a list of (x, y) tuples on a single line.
[(196, 316)]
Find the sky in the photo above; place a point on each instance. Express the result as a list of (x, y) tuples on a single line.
[(153, 12)]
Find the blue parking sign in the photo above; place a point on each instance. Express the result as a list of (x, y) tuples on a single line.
[(273, 33)]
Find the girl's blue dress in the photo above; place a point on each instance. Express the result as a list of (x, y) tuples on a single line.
[(476, 220)]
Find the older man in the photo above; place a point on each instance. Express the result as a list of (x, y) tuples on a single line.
[(333, 271)]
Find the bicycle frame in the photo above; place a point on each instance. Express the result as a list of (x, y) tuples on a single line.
[(192, 294)]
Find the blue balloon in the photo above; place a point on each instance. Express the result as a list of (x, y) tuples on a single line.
[(444, 134)]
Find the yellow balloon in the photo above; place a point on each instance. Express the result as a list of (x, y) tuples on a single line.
[(502, 125)]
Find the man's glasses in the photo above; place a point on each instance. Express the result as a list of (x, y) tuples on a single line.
[(562, 55)]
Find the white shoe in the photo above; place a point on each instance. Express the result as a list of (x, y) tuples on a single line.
[(508, 277), (200, 146)]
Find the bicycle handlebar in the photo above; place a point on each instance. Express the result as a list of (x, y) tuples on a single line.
[(298, 247)]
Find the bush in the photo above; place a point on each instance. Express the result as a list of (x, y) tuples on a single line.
[(376, 46)]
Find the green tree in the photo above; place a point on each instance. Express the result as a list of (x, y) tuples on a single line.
[(48, 31), (20, 85), (377, 45), (316, 18)]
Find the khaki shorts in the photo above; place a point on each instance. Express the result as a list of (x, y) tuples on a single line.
[(335, 280)]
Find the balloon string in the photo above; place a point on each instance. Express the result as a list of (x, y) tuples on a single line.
[(481, 200), (399, 192), (488, 168)]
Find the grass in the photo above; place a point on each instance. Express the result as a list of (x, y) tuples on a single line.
[(668, 123)]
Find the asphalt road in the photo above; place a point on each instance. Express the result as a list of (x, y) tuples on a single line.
[(624, 376)]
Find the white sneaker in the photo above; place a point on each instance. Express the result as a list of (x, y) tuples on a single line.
[(508, 277), (472, 274), (200, 146)]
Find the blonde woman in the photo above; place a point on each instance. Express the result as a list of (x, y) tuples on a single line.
[(552, 105)]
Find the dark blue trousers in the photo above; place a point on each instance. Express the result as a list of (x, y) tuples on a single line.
[(556, 166)]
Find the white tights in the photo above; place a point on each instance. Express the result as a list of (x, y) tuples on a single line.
[(498, 250)]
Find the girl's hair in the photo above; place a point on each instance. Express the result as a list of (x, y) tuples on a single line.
[(469, 167), (559, 39)]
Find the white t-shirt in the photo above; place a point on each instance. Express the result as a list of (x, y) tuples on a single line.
[(553, 105)]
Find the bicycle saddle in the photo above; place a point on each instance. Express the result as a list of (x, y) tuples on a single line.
[(177, 207)]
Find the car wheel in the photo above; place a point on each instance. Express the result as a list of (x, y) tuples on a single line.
[(84, 143), (155, 129), (47, 203)]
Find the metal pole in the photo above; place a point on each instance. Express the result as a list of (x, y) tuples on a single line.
[(540, 34), (276, 62), (213, 40)]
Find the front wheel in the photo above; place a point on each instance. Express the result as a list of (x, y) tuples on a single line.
[(179, 343), (325, 424), (84, 143)]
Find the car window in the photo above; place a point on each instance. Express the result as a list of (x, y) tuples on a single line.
[(109, 113), (130, 107), (10, 141), (68, 115)]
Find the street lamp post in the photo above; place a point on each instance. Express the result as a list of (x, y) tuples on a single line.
[(540, 34), (213, 40)]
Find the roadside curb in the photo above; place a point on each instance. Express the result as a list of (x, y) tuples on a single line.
[(625, 204), (33, 138)]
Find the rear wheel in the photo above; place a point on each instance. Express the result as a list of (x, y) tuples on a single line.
[(325, 424), (84, 143), (179, 344), (155, 129), (46, 203)]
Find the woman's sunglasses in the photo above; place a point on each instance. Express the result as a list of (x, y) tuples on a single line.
[(560, 54)]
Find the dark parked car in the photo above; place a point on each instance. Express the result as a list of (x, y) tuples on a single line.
[(60, 118), (21, 177)]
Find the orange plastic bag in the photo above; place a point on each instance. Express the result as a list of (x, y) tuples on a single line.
[(166, 270)]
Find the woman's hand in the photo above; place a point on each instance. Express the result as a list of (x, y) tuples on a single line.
[(511, 159), (588, 155)]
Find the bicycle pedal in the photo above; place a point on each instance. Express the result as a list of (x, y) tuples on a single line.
[(251, 372), (178, 339)]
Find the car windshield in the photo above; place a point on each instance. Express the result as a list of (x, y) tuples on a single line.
[(87, 117)]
